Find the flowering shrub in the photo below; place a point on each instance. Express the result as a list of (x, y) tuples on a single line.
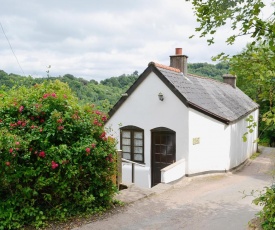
[(55, 160)]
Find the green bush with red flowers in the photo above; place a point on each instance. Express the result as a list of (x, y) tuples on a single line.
[(55, 158)]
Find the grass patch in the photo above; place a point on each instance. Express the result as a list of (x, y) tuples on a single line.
[(255, 155)]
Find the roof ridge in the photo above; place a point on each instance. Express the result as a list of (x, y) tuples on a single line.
[(164, 67), (207, 78)]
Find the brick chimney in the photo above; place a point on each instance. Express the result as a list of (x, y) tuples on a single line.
[(179, 61), (229, 79)]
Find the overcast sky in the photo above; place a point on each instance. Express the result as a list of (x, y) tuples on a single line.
[(98, 39)]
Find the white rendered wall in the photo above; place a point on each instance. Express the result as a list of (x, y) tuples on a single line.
[(209, 142), (144, 110), (215, 146), (239, 150)]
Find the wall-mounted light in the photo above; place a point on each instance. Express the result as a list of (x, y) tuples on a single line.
[(161, 96)]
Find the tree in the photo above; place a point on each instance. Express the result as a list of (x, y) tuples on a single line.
[(244, 17), (256, 77)]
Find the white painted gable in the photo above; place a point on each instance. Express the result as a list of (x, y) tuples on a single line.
[(144, 110)]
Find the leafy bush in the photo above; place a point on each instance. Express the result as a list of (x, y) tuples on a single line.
[(267, 214), (55, 158)]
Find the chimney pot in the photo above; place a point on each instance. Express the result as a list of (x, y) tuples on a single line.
[(178, 51)]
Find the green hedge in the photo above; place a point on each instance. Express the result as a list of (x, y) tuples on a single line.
[(55, 158)]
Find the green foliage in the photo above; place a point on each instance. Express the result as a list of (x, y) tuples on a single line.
[(267, 214), (103, 95), (255, 70), (252, 124), (55, 158), (209, 70), (244, 16)]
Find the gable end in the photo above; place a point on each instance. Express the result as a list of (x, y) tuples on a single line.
[(151, 68)]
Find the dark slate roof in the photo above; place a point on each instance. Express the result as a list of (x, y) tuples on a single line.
[(213, 98)]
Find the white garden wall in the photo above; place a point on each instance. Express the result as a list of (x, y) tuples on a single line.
[(173, 172)]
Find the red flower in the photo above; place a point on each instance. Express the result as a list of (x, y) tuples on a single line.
[(104, 118), (46, 95), (19, 122), (54, 165), (103, 135), (42, 120), (97, 112), (75, 116), (11, 150), (88, 150), (13, 124), (1, 121), (17, 143), (60, 128), (7, 163), (23, 124), (32, 118), (65, 96), (59, 120), (93, 145), (53, 95), (42, 154), (110, 157), (21, 108), (40, 130)]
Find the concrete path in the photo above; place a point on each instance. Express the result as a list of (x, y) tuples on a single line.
[(210, 202)]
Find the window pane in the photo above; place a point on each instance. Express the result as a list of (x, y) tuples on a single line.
[(138, 157), (126, 141), (169, 140), (138, 135), (126, 148), (138, 150), (138, 142), (127, 156), (126, 134)]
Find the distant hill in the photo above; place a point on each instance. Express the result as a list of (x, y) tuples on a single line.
[(209, 70), (105, 94)]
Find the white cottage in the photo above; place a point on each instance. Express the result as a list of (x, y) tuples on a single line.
[(177, 124)]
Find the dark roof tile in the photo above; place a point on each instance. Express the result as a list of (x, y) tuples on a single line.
[(214, 97)]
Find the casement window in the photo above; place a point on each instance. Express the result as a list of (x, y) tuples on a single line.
[(132, 143)]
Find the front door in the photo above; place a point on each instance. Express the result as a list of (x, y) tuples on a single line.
[(163, 152)]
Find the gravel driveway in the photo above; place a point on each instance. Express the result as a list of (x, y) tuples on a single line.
[(210, 202)]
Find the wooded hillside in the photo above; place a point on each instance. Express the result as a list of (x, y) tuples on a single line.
[(105, 94)]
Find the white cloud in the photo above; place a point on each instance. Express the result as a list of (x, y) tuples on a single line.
[(98, 40)]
